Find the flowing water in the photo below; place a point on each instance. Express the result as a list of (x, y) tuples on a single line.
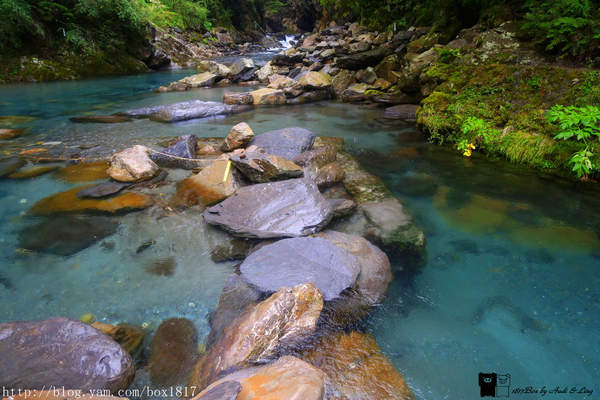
[(510, 284)]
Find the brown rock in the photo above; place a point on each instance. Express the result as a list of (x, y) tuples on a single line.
[(173, 351), (211, 185), (318, 157), (102, 119), (329, 175), (68, 202), (283, 320), (239, 136), (83, 172), (405, 112), (341, 81), (33, 172), (130, 337), (315, 80), (356, 368), (132, 165), (7, 134), (267, 96), (243, 98), (288, 378)]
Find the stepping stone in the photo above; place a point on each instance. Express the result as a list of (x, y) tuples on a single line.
[(290, 208), (287, 143)]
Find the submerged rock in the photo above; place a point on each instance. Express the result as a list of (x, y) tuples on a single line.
[(170, 161), (330, 174), (290, 262), (356, 367), (8, 134), (62, 353), (239, 136), (285, 379), (213, 184), (66, 235), (10, 165), (83, 172), (258, 166), (101, 119), (226, 390), (173, 351), (288, 208), (130, 337), (405, 112), (103, 189), (33, 172), (281, 321), (68, 202), (132, 165), (287, 143)]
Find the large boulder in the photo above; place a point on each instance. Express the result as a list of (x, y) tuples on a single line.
[(290, 262), (241, 98), (267, 96), (287, 143), (61, 353), (173, 351), (286, 379), (356, 367), (259, 166), (290, 208), (354, 93), (375, 271), (239, 136), (281, 321), (132, 165), (203, 79), (315, 80), (213, 184), (220, 70), (287, 59), (264, 72), (342, 80), (190, 110)]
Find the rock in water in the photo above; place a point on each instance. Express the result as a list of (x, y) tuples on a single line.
[(173, 351), (287, 143), (290, 262), (213, 184), (130, 337), (101, 119), (286, 379), (271, 210), (10, 165), (239, 136), (226, 390), (405, 112), (356, 367), (180, 111), (66, 235), (63, 353), (267, 96), (103, 189), (281, 321), (185, 147), (58, 394), (260, 167), (132, 165), (375, 271), (240, 66)]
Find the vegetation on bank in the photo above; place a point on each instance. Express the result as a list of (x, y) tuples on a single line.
[(568, 28)]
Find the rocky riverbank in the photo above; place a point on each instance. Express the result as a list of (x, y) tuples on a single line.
[(305, 221)]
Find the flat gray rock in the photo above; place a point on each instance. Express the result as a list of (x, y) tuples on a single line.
[(291, 262), (227, 390), (290, 208), (181, 111), (62, 353), (102, 190), (185, 147), (287, 143)]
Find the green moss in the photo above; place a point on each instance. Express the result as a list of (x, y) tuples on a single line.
[(513, 99)]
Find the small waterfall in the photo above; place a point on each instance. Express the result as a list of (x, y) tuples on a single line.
[(286, 43)]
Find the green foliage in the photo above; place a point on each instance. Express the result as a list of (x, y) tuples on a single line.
[(447, 54), (583, 124), (478, 128), (565, 27)]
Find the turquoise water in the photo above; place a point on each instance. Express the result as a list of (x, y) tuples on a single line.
[(510, 285)]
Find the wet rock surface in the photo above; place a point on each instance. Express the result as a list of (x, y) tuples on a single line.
[(173, 351), (100, 119), (180, 111), (184, 147), (281, 321), (279, 209), (405, 112), (103, 189), (132, 165), (10, 165), (289, 262), (239, 136), (66, 235), (213, 184), (258, 166), (287, 143), (63, 353), (286, 378)]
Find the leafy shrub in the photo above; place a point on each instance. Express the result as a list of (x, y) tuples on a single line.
[(583, 124)]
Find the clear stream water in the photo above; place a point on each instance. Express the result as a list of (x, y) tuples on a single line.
[(510, 285)]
